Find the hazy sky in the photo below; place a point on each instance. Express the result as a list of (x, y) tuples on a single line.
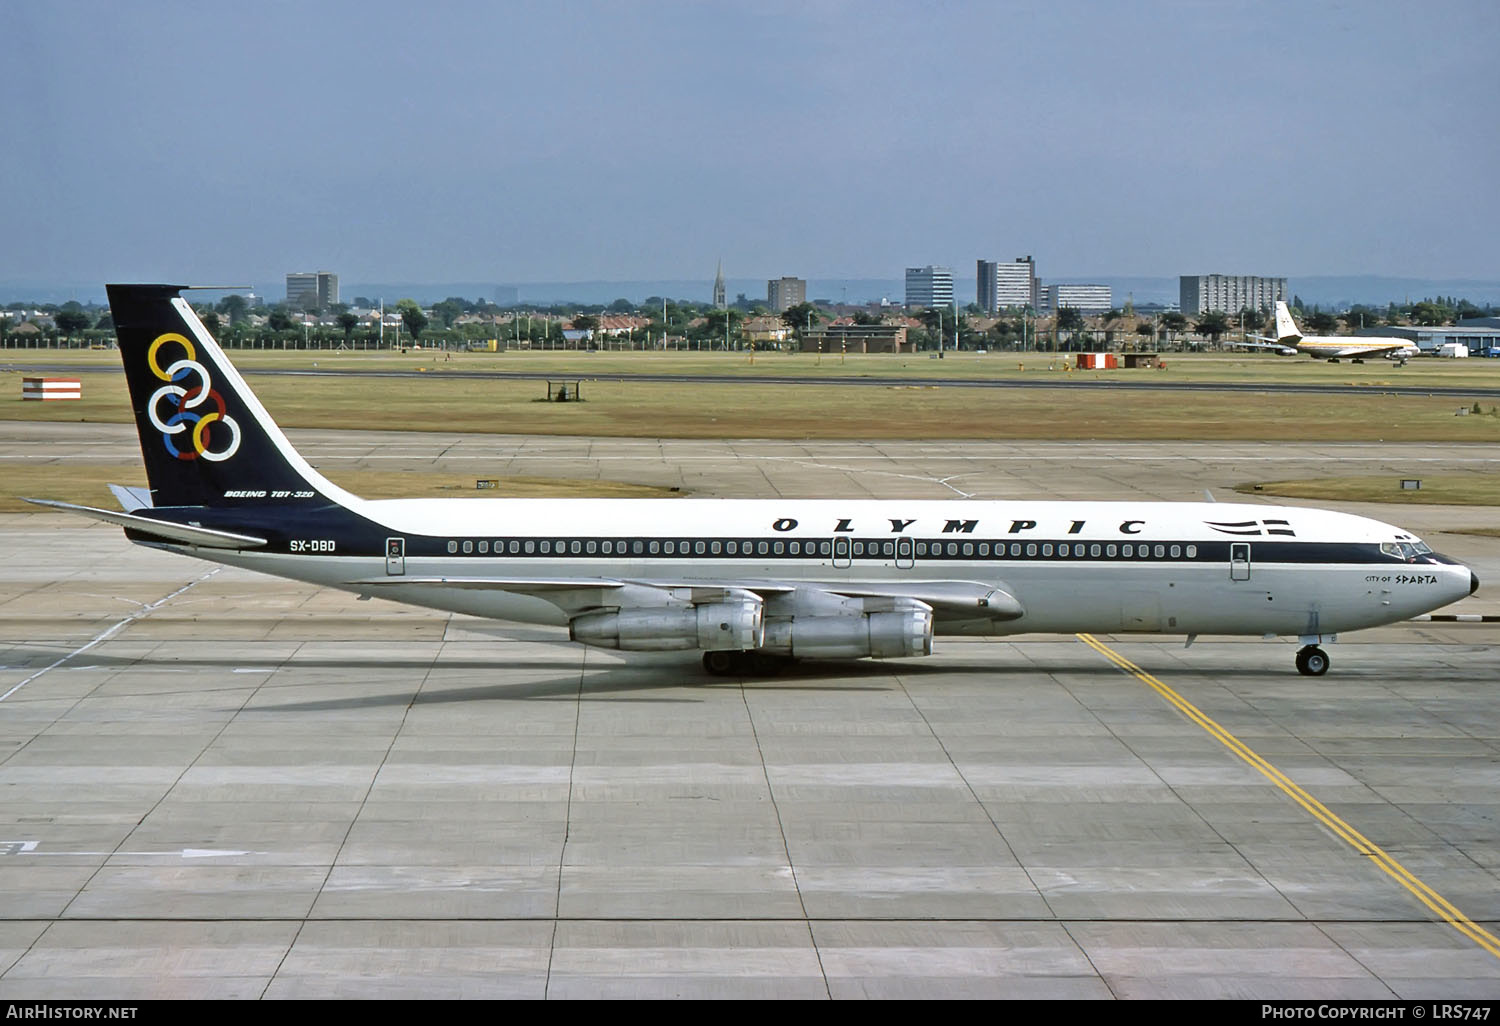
[(515, 142)]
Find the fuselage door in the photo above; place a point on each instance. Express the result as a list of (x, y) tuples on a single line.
[(395, 556), (906, 552), (1239, 561), (842, 551)]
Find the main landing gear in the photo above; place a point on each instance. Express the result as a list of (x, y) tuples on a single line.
[(1312, 661), (744, 664)]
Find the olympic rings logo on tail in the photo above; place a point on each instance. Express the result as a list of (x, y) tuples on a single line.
[(197, 424)]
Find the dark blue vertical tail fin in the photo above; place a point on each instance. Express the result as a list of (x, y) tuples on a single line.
[(206, 439)]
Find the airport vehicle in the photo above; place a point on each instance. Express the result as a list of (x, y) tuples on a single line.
[(747, 582), (1289, 341)]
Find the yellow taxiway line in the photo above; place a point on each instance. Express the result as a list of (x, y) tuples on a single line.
[(1426, 895)]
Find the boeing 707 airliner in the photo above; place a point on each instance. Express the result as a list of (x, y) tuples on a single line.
[(1289, 340), (746, 582)]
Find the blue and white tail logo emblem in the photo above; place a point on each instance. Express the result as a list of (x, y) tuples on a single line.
[(196, 422)]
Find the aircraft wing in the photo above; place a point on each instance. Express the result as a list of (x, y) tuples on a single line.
[(180, 534), (519, 585), (950, 600), (1368, 350)]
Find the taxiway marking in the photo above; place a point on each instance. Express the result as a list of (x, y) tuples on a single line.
[(111, 632), (1423, 893)]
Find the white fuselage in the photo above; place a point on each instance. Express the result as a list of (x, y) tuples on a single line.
[(1331, 346), (1182, 568)]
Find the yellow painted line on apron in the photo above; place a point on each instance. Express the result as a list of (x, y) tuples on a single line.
[(1426, 895)]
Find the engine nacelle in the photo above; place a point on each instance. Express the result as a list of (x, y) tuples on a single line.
[(733, 625), (905, 630)]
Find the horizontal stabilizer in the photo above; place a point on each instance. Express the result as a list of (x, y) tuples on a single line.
[(181, 534), (132, 499), (1264, 342)]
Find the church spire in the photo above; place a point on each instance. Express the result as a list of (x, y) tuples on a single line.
[(719, 287)]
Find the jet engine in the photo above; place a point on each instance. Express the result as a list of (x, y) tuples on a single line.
[(736, 624), (892, 628)]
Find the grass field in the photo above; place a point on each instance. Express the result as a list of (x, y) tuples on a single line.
[(87, 483), (437, 400), (1475, 489), (1196, 367)]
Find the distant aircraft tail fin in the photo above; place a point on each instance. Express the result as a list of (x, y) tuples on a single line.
[(206, 439), (1286, 328)]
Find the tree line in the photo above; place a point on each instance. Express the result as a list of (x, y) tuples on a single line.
[(701, 325)]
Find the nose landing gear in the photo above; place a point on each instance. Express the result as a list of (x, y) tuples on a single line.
[(1312, 661)]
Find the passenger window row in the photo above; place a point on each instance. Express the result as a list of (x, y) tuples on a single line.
[(743, 548)]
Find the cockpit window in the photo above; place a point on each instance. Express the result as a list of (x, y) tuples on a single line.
[(1403, 550)]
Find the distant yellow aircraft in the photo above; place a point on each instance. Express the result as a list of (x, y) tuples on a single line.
[(1289, 341)]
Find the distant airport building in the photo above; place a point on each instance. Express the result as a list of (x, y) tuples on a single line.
[(929, 286), (1000, 286), (1229, 293), (1479, 338), (312, 290), (854, 338), (1089, 299), (784, 293)]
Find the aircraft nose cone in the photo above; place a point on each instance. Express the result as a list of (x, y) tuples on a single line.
[(1473, 582)]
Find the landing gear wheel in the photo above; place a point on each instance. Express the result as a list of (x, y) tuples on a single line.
[(721, 664), (1312, 661), (762, 664)]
